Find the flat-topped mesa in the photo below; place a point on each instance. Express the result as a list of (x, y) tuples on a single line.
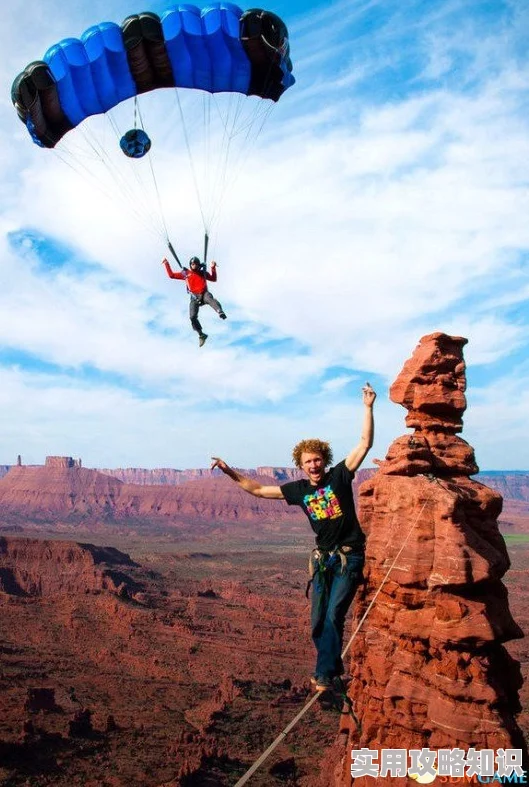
[(61, 461), (431, 386)]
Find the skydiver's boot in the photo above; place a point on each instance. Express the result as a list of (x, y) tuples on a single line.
[(202, 339), (222, 315)]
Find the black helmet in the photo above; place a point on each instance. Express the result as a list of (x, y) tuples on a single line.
[(194, 260)]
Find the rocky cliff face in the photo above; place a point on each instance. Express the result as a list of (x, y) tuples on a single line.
[(181, 684), (159, 475), (167, 475), (46, 568), (71, 494), (56, 488), (511, 486), (429, 668)]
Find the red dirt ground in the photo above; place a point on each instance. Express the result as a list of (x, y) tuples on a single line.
[(200, 671)]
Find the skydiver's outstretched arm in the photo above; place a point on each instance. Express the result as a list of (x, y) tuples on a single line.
[(171, 273), (248, 484), (358, 454)]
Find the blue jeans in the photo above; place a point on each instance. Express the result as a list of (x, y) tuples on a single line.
[(332, 594)]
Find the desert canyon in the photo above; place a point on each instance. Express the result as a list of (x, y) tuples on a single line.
[(154, 627)]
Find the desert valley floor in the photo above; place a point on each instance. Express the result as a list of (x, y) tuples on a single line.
[(188, 674)]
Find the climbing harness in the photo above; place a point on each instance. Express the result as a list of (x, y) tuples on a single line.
[(321, 561)]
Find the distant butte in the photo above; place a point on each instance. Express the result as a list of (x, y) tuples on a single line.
[(429, 667), (45, 568), (64, 493)]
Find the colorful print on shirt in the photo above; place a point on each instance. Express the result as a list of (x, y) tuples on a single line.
[(322, 504)]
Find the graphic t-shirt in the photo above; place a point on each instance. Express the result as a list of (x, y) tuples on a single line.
[(329, 507)]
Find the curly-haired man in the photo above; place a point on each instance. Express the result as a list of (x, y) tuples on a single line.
[(337, 561)]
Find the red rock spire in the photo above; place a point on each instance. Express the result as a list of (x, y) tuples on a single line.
[(431, 386), (428, 666)]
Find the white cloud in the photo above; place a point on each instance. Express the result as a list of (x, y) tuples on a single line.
[(496, 421), (355, 227), (336, 384)]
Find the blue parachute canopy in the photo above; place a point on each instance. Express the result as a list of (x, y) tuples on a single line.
[(218, 48), (135, 143)]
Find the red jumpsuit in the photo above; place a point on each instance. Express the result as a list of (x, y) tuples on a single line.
[(198, 289)]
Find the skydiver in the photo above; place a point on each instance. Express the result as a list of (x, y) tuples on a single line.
[(338, 559), (195, 278)]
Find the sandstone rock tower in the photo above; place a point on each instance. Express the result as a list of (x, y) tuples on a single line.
[(429, 668)]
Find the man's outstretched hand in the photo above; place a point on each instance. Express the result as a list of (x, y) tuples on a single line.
[(368, 395), (216, 461)]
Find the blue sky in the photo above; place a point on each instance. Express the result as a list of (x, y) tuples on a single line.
[(386, 197)]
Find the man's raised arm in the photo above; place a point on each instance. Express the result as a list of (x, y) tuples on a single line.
[(171, 273), (248, 484), (358, 454)]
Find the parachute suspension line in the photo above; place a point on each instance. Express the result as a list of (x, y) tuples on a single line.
[(173, 252), (149, 217), (222, 169), (151, 166), (91, 140), (218, 190), (282, 735), (258, 121), (214, 181), (158, 197), (133, 169), (189, 153), (206, 244), (73, 160), (250, 133), (79, 169), (217, 180), (208, 157), (216, 177)]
